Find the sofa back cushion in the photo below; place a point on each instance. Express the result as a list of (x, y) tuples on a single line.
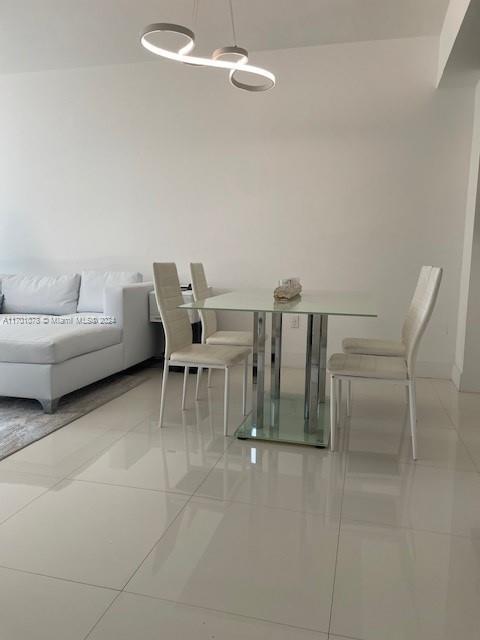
[(49, 295), (93, 286)]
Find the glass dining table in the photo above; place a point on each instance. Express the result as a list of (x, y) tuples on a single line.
[(286, 417)]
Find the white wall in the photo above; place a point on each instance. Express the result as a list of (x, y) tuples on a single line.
[(351, 174), (452, 24), (466, 370)]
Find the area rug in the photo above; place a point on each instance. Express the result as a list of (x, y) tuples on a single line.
[(22, 421)]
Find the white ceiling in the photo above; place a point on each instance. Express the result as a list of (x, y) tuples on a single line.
[(53, 34)]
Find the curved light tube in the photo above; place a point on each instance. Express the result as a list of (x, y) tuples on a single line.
[(239, 52), (182, 56)]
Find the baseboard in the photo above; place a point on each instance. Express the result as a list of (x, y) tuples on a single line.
[(425, 369), (456, 376), (464, 382)]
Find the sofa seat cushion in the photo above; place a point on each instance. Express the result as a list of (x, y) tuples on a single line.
[(52, 339)]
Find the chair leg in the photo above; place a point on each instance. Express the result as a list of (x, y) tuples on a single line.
[(184, 391), (333, 412), (244, 390), (349, 398), (225, 414), (413, 416), (164, 389), (209, 378), (339, 399), (197, 386), (407, 395)]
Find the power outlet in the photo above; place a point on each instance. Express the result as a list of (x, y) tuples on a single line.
[(295, 321)]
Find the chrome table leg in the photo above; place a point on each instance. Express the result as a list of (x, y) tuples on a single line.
[(276, 367), (258, 368), (276, 355), (316, 363), (308, 365), (323, 359), (314, 374)]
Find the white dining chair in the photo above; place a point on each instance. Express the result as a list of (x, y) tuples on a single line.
[(179, 348), (381, 347), (378, 347), (393, 369), (208, 318)]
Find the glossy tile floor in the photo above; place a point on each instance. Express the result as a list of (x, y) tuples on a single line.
[(112, 529)]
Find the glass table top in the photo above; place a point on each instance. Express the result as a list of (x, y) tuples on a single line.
[(335, 303)]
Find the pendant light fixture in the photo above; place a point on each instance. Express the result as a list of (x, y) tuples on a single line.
[(232, 58)]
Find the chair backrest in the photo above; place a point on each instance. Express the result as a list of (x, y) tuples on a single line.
[(176, 323), (417, 295), (419, 314), (201, 290)]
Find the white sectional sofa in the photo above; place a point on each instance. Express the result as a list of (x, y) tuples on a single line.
[(60, 333)]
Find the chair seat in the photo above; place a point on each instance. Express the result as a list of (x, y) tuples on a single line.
[(232, 338), (389, 368), (210, 355), (373, 347)]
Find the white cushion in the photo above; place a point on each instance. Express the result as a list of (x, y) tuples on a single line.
[(373, 347), (51, 295), (213, 355), (232, 338), (93, 286), (368, 366), (41, 340)]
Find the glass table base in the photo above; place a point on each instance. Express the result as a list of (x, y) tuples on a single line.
[(284, 422)]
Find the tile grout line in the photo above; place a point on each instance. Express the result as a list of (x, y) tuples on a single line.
[(179, 494), (226, 612), (439, 398), (59, 479), (475, 469), (73, 421), (181, 510), (398, 527), (339, 531), (62, 579), (12, 515), (166, 529), (97, 622), (72, 480)]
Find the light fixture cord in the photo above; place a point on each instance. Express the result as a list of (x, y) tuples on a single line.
[(233, 24), (195, 13)]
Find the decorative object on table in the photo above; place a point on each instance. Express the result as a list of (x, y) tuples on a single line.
[(232, 58), (287, 289)]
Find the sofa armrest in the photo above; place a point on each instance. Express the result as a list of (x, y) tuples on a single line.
[(128, 304)]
